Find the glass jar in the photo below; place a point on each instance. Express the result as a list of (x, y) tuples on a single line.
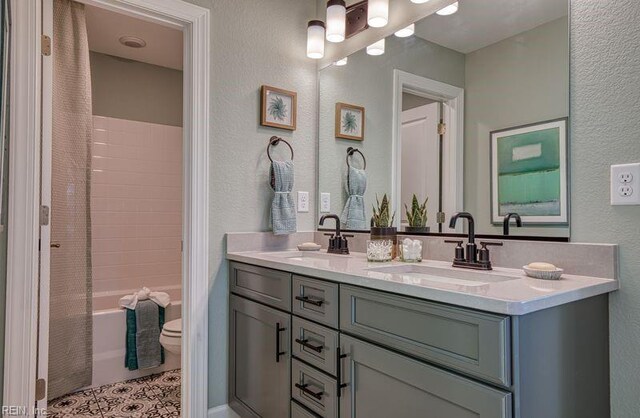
[(379, 250), (410, 250)]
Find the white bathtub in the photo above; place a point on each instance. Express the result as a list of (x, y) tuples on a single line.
[(109, 346)]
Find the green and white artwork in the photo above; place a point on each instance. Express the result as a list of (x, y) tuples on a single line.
[(529, 173)]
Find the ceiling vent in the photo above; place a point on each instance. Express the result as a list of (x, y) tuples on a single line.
[(133, 42)]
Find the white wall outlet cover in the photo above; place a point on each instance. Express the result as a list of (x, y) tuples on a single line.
[(325, 202), (625, 184), (303, 201)]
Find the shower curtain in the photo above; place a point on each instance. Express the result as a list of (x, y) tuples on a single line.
[(70, 318)]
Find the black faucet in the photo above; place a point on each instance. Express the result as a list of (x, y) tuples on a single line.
[(337, 243), (474, 259), (505, 222)]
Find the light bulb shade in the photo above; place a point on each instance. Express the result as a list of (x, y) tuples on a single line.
[(378, 13), (449, 10), (341, 62), (376, 48), (336, 20), (419, 1), (315, 39), (408, 31)]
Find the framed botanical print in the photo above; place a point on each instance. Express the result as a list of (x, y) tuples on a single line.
[(349, 121), (279, 108), (529, 173)]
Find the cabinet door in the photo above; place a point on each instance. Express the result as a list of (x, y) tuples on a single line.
[(259, 359), (382, 384)]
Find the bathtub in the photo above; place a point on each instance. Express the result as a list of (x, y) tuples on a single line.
[(109, 331)]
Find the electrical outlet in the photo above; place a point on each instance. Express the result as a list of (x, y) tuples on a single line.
[(625, 183), (325, 202), (303, 201)]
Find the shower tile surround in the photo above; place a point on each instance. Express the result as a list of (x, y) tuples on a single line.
[(152, 396), (136, 209)]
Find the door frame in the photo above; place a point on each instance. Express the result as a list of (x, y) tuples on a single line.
[(21, 352), (453, 117)]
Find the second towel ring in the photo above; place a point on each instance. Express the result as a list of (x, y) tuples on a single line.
[(351, 151), (274, 140)]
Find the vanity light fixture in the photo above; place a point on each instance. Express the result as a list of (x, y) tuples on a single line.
[(378, 13), (341, 62), (449, 10), (406, 32), (315, 39), (376, 48), (336, 20)]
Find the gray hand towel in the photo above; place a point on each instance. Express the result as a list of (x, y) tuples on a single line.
[(148, 348), (353, 214), (283, 210)]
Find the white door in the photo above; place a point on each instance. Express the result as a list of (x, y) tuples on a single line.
[(420, 164), (45, 201)]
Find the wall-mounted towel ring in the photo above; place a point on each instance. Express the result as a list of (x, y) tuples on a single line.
[(274, 140), (351, 151)]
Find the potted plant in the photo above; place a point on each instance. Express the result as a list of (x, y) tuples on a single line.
[(382, 221), (417, 216)]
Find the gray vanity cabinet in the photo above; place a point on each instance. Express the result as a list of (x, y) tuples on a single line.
[(260, 361), (382, 383)]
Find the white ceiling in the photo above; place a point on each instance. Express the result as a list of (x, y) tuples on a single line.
[(479, 23), (104, 29)]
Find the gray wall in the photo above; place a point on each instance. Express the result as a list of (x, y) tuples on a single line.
[(520, 80), (252, 43), (605, 130), (134, 90), (368, 81)]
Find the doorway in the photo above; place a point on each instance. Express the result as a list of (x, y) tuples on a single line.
[(31, 71)]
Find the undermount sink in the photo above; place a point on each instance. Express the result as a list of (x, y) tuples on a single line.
[(301, 255), (445, 275)]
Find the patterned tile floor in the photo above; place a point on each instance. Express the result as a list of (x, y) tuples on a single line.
[(155, 396)]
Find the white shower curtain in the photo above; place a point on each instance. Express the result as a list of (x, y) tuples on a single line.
[(70, 319)]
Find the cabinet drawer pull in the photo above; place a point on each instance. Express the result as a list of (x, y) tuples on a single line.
[(307, 299), (339, 384), (305, 389), (305, 343), (278, 352)]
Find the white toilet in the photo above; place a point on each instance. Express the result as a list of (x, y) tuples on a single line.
[(171, 336)]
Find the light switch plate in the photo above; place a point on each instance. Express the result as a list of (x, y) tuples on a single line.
[(325, 202), (625, 184), (303, 201)]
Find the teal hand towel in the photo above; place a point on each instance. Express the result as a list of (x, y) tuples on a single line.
[(283, 210), (131, 353), (353, 214)]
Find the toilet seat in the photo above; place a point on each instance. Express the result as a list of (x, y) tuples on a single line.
[(171, 336)]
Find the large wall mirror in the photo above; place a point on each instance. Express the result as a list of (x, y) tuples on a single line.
[(468, 110)]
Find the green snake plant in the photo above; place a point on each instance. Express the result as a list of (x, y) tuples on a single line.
[(417, 216), (381, 218)]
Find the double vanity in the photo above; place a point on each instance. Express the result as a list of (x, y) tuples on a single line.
[(314, 334)]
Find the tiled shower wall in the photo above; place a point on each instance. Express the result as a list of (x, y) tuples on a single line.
[(136, 209)]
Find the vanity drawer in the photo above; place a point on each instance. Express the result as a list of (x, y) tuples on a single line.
[(314, 344), (314, 389), (315, 300), (271, 287), (298, 411), (472, 342)]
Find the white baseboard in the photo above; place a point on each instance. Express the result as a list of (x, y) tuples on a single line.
[(222, 411)]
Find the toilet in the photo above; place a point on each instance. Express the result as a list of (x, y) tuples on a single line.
[(171, 336)]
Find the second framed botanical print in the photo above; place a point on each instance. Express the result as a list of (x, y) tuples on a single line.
[(279, 108), (349, 121)]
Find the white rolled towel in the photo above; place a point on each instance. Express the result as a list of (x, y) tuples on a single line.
[(130, 301)]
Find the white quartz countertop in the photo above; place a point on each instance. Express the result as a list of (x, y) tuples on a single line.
[(502, 290)]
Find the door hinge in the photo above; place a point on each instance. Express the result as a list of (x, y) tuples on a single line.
[(45, 46), (440, 217), (442, 128), (44, 215), (41, 389)]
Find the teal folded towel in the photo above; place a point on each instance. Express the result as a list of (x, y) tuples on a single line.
[(143, 349), (353, 214), (283, 210)]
